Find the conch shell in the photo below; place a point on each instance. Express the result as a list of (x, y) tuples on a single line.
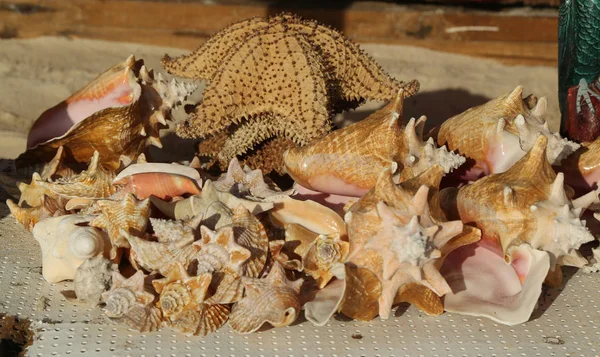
[(582, 170), (526, 204), (274, 299), (182, 302), (126, 99), (128, 303), (500, 132), (348, 161), (66, 242), (128, 214)]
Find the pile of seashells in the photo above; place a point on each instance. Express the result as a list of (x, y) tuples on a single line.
[(379, 213)]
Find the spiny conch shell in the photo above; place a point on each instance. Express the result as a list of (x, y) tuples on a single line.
[(348, 161), (126, 99), (29, 217), (182, 302), (163, 181), (318, 252), (500, 132), (66, 242), (582, 170), (95, 182), (274, 299), (397, 239), (308, 214), (128, 214), (245, 181), (128, 303), (528, 204), (220, 254), (485, 284), (162, 255), (92, 279)]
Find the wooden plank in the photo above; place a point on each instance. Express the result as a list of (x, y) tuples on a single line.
[(506, 37)]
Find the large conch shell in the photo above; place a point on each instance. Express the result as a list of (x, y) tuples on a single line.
[(128, 303), (127, 99), (526, 204), (66, 242), (182, 302), (500, 132), (348, 161), (274, 299)]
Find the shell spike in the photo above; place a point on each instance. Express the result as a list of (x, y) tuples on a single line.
[(540, 108), (516, 95), (508, 195), (557, 191), (522, 126), (501, 125)]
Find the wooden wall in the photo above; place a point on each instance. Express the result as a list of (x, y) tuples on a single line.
[(514, 35)]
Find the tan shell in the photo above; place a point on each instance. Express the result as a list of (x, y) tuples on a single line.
[(274, 299), (396, 239), (308, 214), (162, 256), (150, 102), (95, 182), (245, 181), (318, 252), (348, 161), (220, 254), (129, 215), (129, 304), (526, 204), (501, 131), (582, 170), (182, 302), (29, 217)]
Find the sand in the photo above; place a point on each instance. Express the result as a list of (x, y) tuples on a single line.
[(38, 73)]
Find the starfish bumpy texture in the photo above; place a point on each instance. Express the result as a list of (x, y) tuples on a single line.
[(279, 77)]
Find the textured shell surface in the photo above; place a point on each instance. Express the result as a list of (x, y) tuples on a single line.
[(30, 216), (127, 99), (128, 303), (92, 279), (308, 214), (528, 204), (274, 299), (500, 132), (66, 242), (263, 84), (349, 160), (393, 235), (129, 215)]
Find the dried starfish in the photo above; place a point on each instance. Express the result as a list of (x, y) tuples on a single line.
[(277, 77)]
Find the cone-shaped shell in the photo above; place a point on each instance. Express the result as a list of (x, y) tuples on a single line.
[(500, 132), (526, 204), (348, 161)]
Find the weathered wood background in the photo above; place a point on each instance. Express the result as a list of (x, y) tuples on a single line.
[(513, 34)]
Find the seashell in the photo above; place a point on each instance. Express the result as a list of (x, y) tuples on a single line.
[(156, 167), (348, 161), (393, 235), (500, 132), (95, 182), (161, 185), (220, 254), (66, 242), (308, 214), (485, 284), (199, 204), (582, 170), (251, 234), (244, 181), (527, 204), (318, 252), (128, 214), (274, 299), (161, 256), (182, 302), (126, 99), (29, 217), (92, 279), (129, 304)]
